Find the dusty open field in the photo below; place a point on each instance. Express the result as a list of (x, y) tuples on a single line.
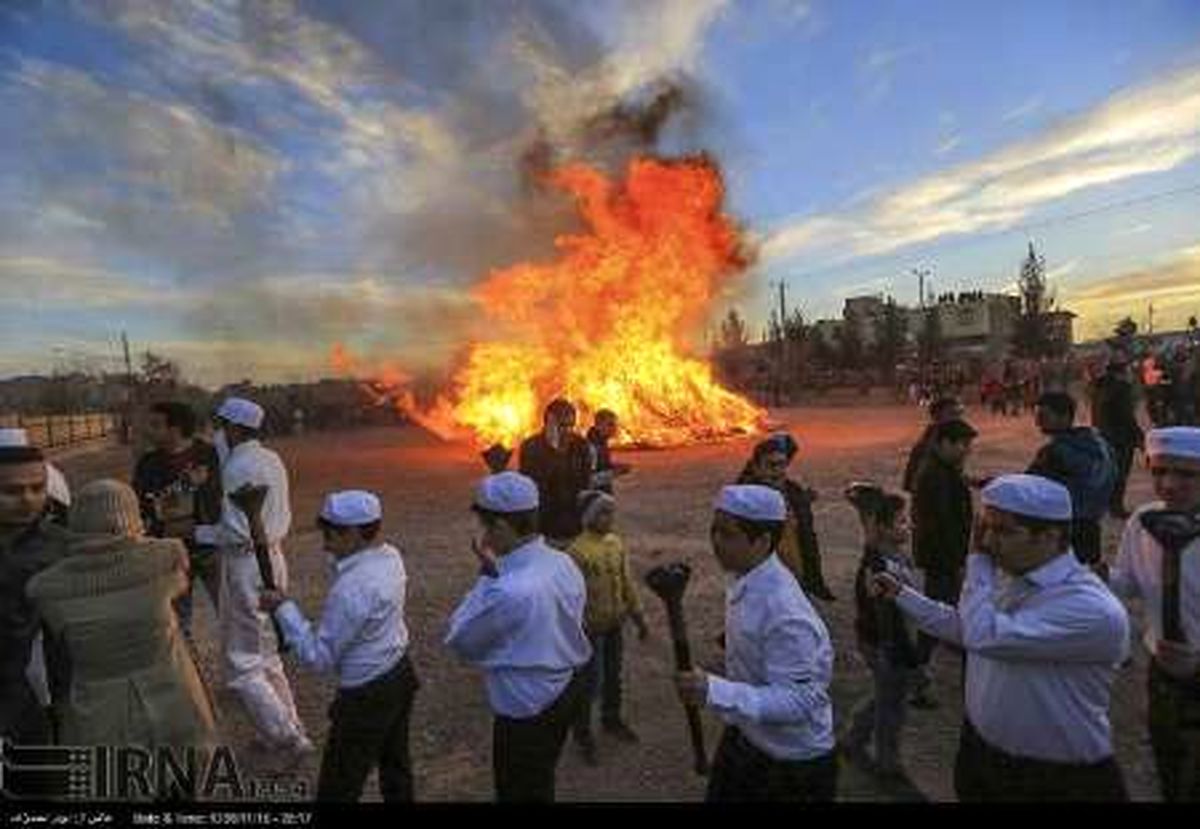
[(663, 514)]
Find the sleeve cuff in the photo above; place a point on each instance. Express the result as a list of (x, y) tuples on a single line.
[(206, 535), (908, 599), (290, 618), (720, 692)]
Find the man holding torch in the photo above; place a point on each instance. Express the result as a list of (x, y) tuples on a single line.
[(249, 646), (778, 743)]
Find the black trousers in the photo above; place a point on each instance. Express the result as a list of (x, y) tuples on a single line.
[(602, 677), (369, 728), (1085, 540), (23, 720), (1175, 735), (985, 774), (1123, 455), (943, 586), (525, 751), (741, 772)]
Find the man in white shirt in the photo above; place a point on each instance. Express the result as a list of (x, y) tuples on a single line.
[(778, 743), (522, 623), (249, 650), (362, 638), (1159, 562), (1044, 638)]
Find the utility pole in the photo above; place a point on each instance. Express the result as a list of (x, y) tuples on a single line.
[(921, 274), (783, 343), (1150, 314), (127, 426)]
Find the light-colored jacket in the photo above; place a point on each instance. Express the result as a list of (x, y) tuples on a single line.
[(132, 679)]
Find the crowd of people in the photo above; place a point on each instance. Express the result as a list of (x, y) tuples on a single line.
[(95, 608)]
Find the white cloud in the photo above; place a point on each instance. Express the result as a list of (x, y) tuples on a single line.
[(155, 155), (39, 282), (1030, 106), (877, 69), (947, 144), (1136, 230), (1148, 129), (1061, 271), (1172, 284)]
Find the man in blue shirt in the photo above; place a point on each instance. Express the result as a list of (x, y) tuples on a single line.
[(362, 638), (522, 623)]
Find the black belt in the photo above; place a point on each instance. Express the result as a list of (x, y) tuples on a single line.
[(742, 744), (1004, 760), (392, 675)]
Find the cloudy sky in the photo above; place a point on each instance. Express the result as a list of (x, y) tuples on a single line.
[(239, 185)]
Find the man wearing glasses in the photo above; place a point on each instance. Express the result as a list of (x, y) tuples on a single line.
[(1159, 562)]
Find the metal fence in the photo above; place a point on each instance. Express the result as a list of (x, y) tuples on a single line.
[(55, 431)]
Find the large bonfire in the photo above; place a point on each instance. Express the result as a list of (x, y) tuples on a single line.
[(606, 323)]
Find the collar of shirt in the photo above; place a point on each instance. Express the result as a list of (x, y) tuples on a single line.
[(520, 556), (1055, 571), (749, 580), (350, 561), (243, 448)]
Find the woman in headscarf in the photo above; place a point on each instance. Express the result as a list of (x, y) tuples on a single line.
[(798, 547), (132, 679)]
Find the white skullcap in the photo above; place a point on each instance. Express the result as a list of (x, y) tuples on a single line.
[(1175, 441), (242, 412), (1030, 495), (56, 485), (351, 508), (758, 503), (14, 437), (507, 492)]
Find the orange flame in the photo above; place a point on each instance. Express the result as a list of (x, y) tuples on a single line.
[(604, 324)]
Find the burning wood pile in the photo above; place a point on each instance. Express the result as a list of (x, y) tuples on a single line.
[(606, 323)]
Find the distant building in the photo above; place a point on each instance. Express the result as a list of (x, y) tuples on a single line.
[(972, 324), (1060, 329), (978, 324), (828, 330)]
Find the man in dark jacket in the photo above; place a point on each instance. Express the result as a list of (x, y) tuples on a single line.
[(1080, 459), (799, 549), (178, 484), (942, 515), (944, 409), (604, 469), (1114, 415), (560, 463), (29, 543)]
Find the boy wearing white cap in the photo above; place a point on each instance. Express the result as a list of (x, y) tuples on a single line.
[(363, 639), (522, 623), (1044, 638), (778, 743), (250, 653), (1159, 562)]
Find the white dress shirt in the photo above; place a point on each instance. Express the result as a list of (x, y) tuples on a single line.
[(252, 463), (524, 627), (361, 634), (1042, 652), (1137, 573), (778, 666)]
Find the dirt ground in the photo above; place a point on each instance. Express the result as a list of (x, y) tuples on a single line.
[(663, 513)]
